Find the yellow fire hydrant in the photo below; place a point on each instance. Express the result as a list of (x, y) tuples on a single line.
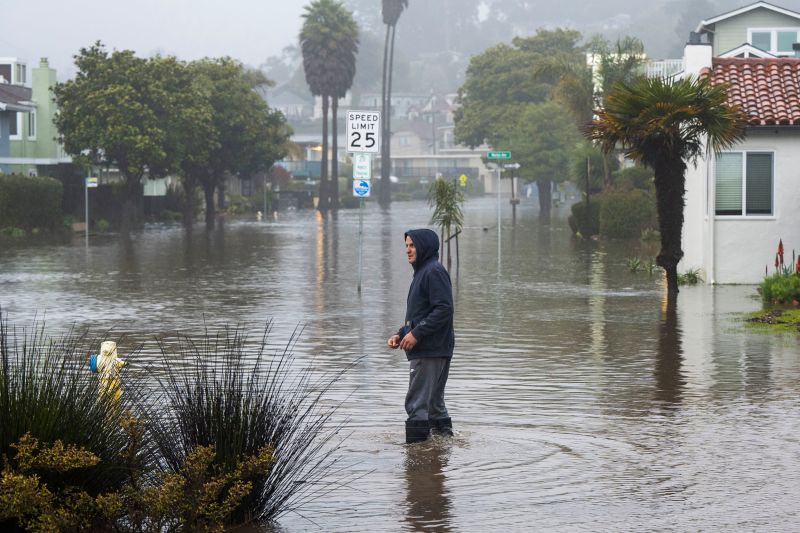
[(108, 365)]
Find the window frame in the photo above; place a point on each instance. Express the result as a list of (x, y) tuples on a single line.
[(743, 211), (16, 136), (31, 133), (773, 31)]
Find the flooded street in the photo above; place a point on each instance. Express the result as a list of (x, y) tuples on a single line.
[(577, 403)]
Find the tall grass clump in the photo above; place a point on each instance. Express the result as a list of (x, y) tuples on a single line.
[(243, 399), (48, 394)]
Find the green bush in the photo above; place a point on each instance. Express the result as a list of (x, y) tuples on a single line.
[(239, 205), (780, 288), (349, 202), (103, 225), (586, 219), (30, 202), (623, 215), (636, 177)]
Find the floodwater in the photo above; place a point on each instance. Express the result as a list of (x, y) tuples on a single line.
[(578, 404)]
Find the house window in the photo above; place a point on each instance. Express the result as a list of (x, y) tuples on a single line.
[(15, 125), (744, 183), (32, 125), (777, 41)]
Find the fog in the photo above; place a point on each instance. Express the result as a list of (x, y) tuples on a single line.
[(255, 30)]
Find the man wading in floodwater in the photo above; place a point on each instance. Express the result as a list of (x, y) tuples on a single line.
[(427, 337)]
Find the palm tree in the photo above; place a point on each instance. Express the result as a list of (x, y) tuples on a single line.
[(664, 125), (391, 10), (446, 199), (329, 43), (345, 43)]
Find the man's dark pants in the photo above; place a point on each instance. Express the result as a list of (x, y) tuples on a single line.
[(426, 381)]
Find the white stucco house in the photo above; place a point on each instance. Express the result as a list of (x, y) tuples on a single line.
[(740, 203)]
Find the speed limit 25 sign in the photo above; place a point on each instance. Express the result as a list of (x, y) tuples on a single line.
[(364, 131)]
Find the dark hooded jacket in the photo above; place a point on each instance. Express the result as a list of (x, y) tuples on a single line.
[(429, 309)]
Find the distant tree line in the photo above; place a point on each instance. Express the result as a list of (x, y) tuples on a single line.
[(152, 117)]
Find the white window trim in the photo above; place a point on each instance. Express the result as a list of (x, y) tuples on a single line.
[(32, 119), (744, 215), (18, 136), (773, 41)]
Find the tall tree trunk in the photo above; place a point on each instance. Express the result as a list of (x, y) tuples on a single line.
[(670, 180), (130, 204), (545, 188), (189, 185), (211, 212), (324, 204), (384, 194), (334, 188), (221, 192), (607, 183)]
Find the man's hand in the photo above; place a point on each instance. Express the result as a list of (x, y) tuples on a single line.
[(393, 342), (408, 342)]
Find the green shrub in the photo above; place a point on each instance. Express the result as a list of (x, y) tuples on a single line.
[(780, 288), (623, 215), (690, 277), (11, 231), (585, 220), (349, 202), (103, 225), (636, 177), (47, 391), (239, 205), (30, 202), (227, 392)]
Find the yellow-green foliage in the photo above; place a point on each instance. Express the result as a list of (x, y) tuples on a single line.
[(201, 497), (24, 498)]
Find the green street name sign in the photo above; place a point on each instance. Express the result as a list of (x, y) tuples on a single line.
[(498, 155)]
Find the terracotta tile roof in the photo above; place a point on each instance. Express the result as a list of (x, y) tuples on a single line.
[(767, 89)]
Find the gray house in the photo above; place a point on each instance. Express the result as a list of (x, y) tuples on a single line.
[(760, 25), (14, 102)]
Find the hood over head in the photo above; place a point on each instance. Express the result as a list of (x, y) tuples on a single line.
[(427, 244)]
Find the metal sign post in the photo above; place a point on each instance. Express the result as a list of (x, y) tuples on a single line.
[(363, 140), (494, 155), (361, 190), (90, 182)]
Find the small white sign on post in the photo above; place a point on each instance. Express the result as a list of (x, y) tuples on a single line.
[(362, 166), (361, 188), (363, 131), (91, 182)]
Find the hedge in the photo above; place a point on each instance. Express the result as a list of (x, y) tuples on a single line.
[(30, 202), (623, 215), (586, 219)]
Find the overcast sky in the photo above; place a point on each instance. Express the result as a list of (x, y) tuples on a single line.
[(248, 30)]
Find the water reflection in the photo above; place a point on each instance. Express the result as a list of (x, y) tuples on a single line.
[(427, 499), (565, 366), (669, 379)]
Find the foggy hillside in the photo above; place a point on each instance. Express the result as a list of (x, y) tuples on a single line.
[(435, 38)]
